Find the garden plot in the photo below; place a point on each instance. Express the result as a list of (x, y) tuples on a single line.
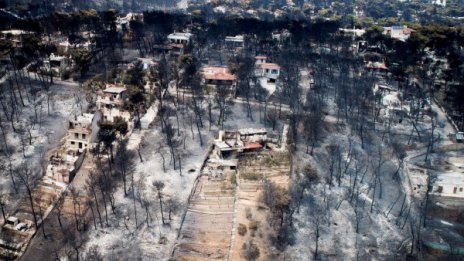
[(251, 220), (15, 238), (206, 232)]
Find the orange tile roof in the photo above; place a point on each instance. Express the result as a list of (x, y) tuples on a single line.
[(253, 146), (269, 66), (217, 73), (178, 46)]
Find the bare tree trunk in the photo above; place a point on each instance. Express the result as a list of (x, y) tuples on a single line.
[(43, 221), (93, 216), (133, 197), (317, 242), (31, 201)]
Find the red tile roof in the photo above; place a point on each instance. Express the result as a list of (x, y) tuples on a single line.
[(253, 146), (217, 73), (269, 66)]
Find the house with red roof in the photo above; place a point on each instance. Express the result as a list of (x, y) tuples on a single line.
[(218, 77), (401, 33), (270, 71)]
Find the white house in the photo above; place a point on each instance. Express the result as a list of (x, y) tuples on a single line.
[(110, 102), (177, 42), (14, 35), (270, 71), (179, 38), (401, 33), (216, 77), (80, 133), (112, 96), (449, 184), (237, 41), (57, 63), (109, 114)]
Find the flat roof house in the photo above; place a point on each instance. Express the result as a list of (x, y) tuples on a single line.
[(401, 32), (239, 141), (14, 35), (237, 41), (177, 42), (80, 133), (449, 184), (179, 38), (110, 102), (57, 63), (112, 96)]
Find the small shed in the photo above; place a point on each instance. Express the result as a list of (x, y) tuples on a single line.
[(13, 221), (460, 137)]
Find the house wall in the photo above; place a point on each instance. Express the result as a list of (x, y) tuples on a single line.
[(178, 41), (449, 190), (110, 114), (268, 73), (78, 139), (271, 73), (111, 99), (77, 166), (253, 138)]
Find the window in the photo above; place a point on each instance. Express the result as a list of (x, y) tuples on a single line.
[(460, 189), (72, 143), (275, 71), (76, 135), (440, 189), (83, 136)]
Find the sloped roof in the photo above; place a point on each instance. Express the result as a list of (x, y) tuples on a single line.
[(217, 73), (253, 146), (114, 89), (269, 66)]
